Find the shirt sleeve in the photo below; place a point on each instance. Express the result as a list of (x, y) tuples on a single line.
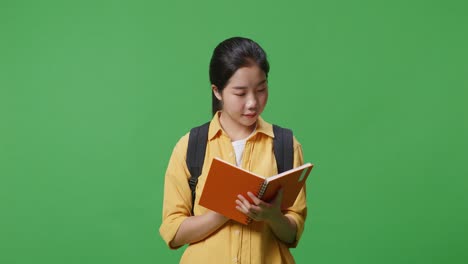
[(298, 211), (177, 201)]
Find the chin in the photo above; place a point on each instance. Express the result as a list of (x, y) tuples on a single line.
[(249, 123)]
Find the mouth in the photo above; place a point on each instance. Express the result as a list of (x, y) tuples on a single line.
[(250, 115)]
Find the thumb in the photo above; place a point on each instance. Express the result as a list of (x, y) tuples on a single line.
[(279, 197)]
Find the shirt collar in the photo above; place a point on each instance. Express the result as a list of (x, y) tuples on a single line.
[(262, 127)]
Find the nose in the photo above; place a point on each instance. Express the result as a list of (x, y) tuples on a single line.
[(252, 102)]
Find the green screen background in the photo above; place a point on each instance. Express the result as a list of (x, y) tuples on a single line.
[(94, 95)]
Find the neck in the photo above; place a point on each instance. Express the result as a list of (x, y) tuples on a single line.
[(234, 130)]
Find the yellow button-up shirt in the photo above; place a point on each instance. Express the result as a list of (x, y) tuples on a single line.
[(233, 242)]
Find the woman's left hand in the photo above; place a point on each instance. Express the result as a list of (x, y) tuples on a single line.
[(260, 210)]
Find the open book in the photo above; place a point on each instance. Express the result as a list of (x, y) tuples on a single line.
[(225, 181)]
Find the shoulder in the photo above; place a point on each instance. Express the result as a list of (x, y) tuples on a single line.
[(183, 143), (184, 140), (268, 129), (181, 146), (296, 143)]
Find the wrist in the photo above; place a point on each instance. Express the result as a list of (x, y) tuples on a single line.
[(277, 218)]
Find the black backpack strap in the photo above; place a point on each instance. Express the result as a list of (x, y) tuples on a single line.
[(196, 149), (283, 148)]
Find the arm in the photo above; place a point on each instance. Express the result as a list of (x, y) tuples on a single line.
[(284, 228), (287, 225), (178, 226), (196, 228)]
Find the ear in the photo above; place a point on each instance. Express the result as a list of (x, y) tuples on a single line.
[(216, 92)]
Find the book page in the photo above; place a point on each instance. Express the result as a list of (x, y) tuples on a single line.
[(291, 181)]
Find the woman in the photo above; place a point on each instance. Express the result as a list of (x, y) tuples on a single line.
[(237, 134)]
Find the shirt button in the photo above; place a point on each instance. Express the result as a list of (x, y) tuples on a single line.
[(237, 232), (234, 260)]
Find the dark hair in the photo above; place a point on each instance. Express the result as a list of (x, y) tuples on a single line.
[(228, 57)]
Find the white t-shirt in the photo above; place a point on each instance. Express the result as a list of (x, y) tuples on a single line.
[(239, 146)]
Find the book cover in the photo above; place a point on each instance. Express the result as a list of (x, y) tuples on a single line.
[(225, 181)]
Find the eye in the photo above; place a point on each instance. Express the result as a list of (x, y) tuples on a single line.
[(239, 94)]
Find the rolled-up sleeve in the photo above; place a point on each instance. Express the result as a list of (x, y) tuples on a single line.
[(177, 201), (298, 212)]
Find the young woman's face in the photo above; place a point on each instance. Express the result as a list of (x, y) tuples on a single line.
[(244, 96)]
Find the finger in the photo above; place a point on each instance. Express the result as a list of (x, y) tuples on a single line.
[(244, 200), (240, 209), (254, 198), (242, 206), (279, 196)]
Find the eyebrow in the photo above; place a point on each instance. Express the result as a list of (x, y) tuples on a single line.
[(245, 87)]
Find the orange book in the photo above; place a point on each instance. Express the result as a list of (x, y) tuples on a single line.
[(225, 181)]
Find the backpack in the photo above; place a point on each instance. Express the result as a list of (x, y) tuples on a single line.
[(198, 138)]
